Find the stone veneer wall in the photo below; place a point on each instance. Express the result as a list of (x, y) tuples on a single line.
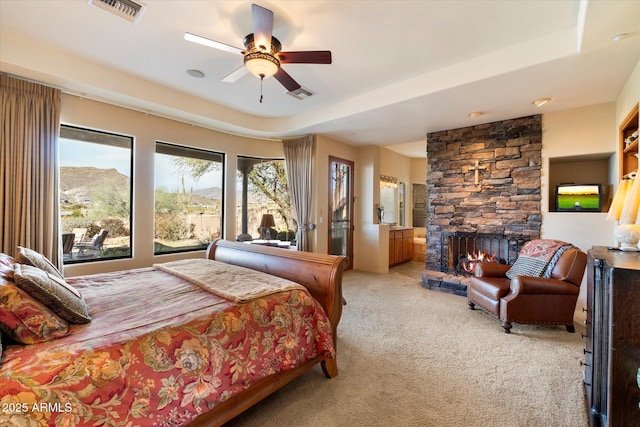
[(507, 199)]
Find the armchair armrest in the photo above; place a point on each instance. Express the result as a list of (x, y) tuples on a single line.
[(541, 285), (490, 269)]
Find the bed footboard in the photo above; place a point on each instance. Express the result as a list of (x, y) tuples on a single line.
[(320, 274)]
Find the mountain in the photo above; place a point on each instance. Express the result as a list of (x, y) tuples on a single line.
[(80, 184), (214, 193)]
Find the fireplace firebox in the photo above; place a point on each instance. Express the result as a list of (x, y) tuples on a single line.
[(459, 250)]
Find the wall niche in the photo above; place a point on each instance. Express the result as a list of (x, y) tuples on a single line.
[(580, 170)]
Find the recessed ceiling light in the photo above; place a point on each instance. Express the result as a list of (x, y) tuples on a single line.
[(476, 114), (541, 101), (195, 73), (619, 37)]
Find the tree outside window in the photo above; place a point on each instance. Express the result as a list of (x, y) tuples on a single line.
[(262, 188), (189, 193)]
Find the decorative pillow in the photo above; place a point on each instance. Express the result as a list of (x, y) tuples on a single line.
[(525, 266), (36, 259), (25, 319), (6, 266), (6, 272), (53, 292), (7, 260)]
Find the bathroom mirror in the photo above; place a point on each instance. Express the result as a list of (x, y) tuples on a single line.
[(389, 199)]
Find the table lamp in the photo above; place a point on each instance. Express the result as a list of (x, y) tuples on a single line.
[(266, 223)]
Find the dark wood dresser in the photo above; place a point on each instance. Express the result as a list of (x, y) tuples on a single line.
[(612, 353)]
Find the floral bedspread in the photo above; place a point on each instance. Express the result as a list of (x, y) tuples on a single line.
[(158, 352)]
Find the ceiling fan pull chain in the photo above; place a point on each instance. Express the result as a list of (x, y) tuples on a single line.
[(261, 80)]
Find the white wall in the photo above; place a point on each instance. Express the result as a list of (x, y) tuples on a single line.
[(630, 95), (419, 170), (582, 131), (587, 131), (372, 244)]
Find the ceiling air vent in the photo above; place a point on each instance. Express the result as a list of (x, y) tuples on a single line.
[(300, 93), (127, 9)]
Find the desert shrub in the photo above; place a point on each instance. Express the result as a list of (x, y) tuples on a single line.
[(69, 223), (287, 235), (170, 226), (92, 230), (115, 226)]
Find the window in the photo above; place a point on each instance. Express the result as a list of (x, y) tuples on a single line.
[(261, 187), (189, 194), (95, 194)]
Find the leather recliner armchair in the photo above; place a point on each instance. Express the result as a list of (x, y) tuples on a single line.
[(525, 299)]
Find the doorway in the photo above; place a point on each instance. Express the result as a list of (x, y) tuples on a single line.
[(341, 208)]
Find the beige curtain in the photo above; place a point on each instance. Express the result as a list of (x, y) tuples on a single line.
[(29, 211), (298, 155)]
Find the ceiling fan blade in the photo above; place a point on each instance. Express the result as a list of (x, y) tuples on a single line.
[(286, 80), (211, 43), (262, 26), (305, 57), (236, 75)]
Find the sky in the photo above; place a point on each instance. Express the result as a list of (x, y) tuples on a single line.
[(79, 153)]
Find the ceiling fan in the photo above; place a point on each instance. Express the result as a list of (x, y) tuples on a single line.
[(262, 53)]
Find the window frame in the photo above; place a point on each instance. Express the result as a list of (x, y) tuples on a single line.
[(239, 203), (74, 133), (204, 152)]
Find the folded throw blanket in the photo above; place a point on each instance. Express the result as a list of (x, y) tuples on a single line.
[(538, 257), (228, 281)]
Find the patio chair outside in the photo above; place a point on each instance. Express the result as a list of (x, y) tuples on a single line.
[(94, 245), (80, 233), (68, 240)]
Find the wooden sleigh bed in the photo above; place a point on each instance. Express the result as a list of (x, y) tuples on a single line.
[(139, 362)]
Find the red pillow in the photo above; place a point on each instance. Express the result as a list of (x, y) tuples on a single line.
[(25, 319)]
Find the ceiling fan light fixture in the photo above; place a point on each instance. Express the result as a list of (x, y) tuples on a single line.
[(261, 64)]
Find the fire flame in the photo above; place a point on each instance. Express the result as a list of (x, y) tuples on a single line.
[(472, 259)]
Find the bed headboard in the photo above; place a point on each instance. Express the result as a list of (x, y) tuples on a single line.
[(321, 274)]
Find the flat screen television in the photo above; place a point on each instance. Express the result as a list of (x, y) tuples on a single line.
[(579, 197)]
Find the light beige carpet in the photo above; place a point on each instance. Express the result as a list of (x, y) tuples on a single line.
[(413, 357)]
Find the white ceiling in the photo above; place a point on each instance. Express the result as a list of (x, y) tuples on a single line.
[(400, 68)]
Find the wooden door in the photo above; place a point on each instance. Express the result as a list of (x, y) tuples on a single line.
[(341, 208)]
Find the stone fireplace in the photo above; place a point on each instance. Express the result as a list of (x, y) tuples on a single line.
[(481, 180)]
